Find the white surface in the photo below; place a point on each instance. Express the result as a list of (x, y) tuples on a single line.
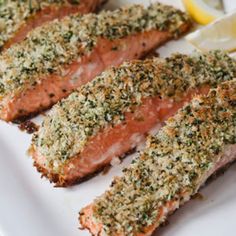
[(229, 5), (31, 206)]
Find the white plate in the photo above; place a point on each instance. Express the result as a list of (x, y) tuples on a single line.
[(30, 206)]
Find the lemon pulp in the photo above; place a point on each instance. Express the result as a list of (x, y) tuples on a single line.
[(220, 34)]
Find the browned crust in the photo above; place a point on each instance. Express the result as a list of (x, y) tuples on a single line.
[(29, 127), (27, 116), (44, 173), (100, 5), (61, 181)]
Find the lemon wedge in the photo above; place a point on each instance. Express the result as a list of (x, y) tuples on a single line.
[(220, 34), (204, 11)]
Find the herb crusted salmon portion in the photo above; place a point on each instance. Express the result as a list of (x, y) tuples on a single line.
[(195, 143), (17, 18), (64, 54), (112, 114)]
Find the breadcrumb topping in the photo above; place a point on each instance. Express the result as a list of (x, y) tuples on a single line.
[(50, 48), (104, 101), (14, 13), (174, 162)]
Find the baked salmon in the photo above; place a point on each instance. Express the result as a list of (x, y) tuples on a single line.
[(17, 18), (195, 143), (60, 56), (109, 116)]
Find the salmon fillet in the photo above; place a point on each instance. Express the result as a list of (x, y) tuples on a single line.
[(17, 18), (199, 140), (60, 56), (112, 114)]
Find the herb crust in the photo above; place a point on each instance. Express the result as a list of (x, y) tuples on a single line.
[(15, 13)]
